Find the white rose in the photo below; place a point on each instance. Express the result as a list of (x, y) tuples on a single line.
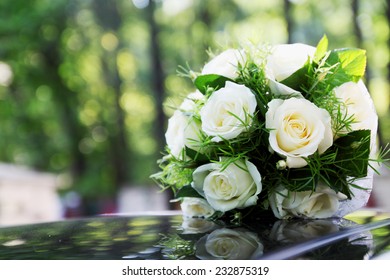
[(195, 207), (228, 112), (283, 61), (183, 129), (190, 102), (193, 135), (174, 135), (235, 186), (298, 129), (225, 64), (229, 244), (323, 203), (360, 107)]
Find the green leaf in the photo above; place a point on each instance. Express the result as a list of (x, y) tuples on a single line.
[(187, 191), (300, 179), (196, 156), (299, 79), (322, 48), (352, 65), (337, 183), (204, 82), (353, 61), (353, 151)]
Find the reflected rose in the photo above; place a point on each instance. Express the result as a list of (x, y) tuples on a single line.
[(197, 225), (229, 244), (288, 231)]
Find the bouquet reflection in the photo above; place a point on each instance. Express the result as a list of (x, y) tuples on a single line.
[(295, 231), (207, 240), (290, 233)]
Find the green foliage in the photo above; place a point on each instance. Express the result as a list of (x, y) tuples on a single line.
[(252, 75), (322, 48), (204, 82), (351, 65), (176, 247), (352, 152), (174, 174), (299, 79), (187, 191)]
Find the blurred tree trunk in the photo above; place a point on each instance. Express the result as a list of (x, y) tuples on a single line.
[(289, 20), (358, 33), (356, 27), (109, 17), (206, 18), (355, 5), (157, 76), (66, 101), (388, 39), (209, 13)]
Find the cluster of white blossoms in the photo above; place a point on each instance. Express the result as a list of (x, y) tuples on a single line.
[(296, 129)]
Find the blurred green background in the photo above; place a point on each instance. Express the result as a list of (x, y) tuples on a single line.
[(83, 82)]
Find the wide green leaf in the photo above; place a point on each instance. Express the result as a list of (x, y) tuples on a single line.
[(187, 191), (196, 156), (300, 179), (351, 65), (353, 151), (299, 79), (214, 81), (337, 182)]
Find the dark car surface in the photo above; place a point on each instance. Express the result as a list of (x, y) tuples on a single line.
[(362, 235)]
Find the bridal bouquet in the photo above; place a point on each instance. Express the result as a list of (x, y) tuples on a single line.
[(288, 129)]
